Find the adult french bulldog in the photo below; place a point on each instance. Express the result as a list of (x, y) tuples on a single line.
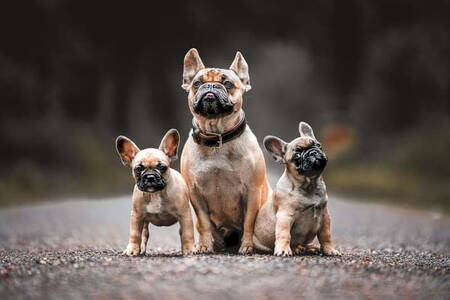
[(160, 194), (296, 211), (222, 162)]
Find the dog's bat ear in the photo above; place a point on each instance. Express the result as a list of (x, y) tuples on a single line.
[(192, 64), (127, 149), (240, 67), (306, 130), (276, 147), (169, 144)]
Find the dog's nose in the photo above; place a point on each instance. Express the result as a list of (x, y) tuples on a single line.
[(210, 96), (150, 177)]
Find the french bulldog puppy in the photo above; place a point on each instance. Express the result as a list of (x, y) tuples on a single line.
[(222, 162), (160, 194), (296, 211)]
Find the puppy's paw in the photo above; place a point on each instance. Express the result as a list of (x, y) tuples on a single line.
[(143, 250), (205, 245), (299, 250), (132, 250), (246, 249), (330, 251), (283, 251), (189, 250)]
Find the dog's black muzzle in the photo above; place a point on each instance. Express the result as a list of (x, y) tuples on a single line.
[(309, 162), (151, 182), (212, 101)]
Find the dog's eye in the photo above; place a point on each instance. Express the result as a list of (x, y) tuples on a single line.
[(139, 169), (228, 84), (196, 84), (162, 168)]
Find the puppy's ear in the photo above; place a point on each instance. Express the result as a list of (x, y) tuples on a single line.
[(192, 64), (306, 130), (169, 144), (276, 147), (240, 67), (127, 149)]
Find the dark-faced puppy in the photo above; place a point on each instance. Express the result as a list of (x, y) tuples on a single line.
[(222, 162), (296, 211), (160, 194)]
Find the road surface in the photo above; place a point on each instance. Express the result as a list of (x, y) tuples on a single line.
[(71, 250)]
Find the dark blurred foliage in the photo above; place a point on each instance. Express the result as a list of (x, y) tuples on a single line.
[(75, 74)]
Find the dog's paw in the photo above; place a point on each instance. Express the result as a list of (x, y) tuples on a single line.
[(143, 250), (283, 251), (330, 251), (246, 249), (299, 250), (189, 250), (204, 248), (132, 250), (307, 250)]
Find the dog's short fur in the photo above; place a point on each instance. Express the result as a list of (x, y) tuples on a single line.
[(296, 211), (227, 185), (160, 194)]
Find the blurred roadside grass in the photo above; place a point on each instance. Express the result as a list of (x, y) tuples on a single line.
[(87, 168), (415, 171)]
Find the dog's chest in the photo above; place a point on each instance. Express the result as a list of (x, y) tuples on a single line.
[(155, 205), (308, 219), (222, 183)]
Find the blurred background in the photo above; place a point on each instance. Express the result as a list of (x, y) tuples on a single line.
[(370, 76)]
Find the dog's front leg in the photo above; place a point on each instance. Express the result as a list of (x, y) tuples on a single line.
[(144, 238), (283, 233), (187, 231), (324, 235), (136, 225), (253, 203), (204, 226)]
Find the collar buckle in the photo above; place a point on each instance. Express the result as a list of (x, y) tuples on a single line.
[(219, 135)]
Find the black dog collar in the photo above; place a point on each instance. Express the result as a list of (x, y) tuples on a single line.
[(212, 139)]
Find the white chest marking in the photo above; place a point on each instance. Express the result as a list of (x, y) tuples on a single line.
[(155, 205)]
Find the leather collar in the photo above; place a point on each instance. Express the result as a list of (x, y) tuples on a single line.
[(212, 139)]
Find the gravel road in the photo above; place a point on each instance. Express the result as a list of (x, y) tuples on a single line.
[(71, 250)]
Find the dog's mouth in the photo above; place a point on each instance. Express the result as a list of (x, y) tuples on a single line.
[(151, 182), (212, 103), (309, 162)]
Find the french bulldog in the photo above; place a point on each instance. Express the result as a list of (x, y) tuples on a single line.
[(160, 195), (221, 161), (296, 211)]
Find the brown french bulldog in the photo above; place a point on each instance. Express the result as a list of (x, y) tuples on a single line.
[(222, 162), (160, 194), (296, 211)]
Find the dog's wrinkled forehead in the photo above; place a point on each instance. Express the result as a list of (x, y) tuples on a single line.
[(150, 157), (216, 75), (302, 142)]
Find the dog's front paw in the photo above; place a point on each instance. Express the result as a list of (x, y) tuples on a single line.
[(330, 251), (246, 249), (189, 250), (205, 245), (143, 250), (282, 251), (299, 250), (309, 249), (132, 250)]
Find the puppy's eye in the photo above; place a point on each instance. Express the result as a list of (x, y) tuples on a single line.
[(228, 84), (196, 84), (139, 169), (162, 168)]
